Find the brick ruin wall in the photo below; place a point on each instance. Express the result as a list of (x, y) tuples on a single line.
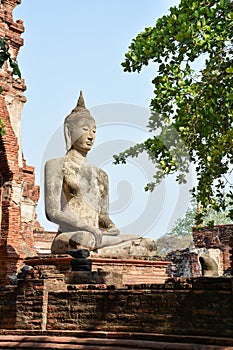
[(18, 193), (184, 263), (231, 253), (198, 307), (215, 245), (210, 254)]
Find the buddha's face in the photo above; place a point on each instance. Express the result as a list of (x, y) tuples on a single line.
[(85, 131)]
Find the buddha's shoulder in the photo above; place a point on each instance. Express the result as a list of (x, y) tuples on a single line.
[(54, 162), (54, 166), (102, 175)]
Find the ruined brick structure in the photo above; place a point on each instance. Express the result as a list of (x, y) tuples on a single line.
[(184, 264), (120, 304), (231, 253), (186, 311), (18, 193), (215, 245), (210, 254)]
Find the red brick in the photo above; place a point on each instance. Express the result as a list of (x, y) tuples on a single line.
[(12, 227)]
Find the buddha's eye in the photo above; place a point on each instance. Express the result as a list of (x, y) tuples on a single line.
[(85, 128), (94, 131)]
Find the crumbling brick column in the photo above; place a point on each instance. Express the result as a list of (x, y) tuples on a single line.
[(18, 193), (231, 253)]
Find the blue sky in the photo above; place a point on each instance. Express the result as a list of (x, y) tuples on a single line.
[(72, 45)]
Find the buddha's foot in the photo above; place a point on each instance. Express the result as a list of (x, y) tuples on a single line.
[(65, 241), (109, 240)]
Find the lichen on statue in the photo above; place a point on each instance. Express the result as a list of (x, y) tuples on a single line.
[(76, 192)]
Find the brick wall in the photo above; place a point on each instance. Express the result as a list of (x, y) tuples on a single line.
[(132, 269), (18, 193), (184, 264), (200, 307), (185, 309), (43, 240), (231, 253), (8, 307)]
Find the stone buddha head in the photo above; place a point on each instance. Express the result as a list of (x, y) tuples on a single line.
[(80, 128)]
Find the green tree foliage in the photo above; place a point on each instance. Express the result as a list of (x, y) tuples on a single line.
[(183, 226), (6, 56), (191, 109), (180, 237)]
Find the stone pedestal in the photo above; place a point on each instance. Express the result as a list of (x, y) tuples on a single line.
[(134, 271), (105, 270), (94, 277)]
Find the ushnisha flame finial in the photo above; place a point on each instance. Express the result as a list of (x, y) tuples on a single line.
[(80, 109), (81, 102)]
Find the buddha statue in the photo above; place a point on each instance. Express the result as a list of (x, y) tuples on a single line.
[(76, 192)]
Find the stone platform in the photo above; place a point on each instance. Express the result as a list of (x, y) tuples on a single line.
[(110, 270), (200, 308), (108, 341), (99, 309)]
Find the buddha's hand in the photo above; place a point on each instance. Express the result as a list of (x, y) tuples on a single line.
[(107, 226), (111, 231), (98, 235)]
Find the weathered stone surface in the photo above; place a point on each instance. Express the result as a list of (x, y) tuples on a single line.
[(79, 253), (139, 247), (76, 192), (109, 340), (94, 278)]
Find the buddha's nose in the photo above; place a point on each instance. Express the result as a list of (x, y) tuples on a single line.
[(91, 135)]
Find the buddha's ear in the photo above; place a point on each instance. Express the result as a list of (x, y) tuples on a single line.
[(67, 137)]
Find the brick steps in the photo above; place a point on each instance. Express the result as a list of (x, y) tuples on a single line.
[(55, 342)]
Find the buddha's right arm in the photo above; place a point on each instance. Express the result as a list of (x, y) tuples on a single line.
[(69, 224), (53, 192)]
